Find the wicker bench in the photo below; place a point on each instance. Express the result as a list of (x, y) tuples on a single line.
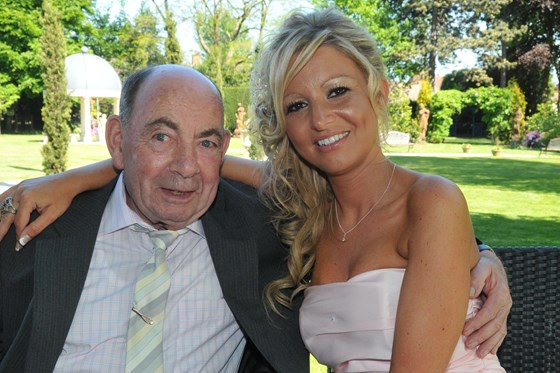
[(532, 343), (553, 146)]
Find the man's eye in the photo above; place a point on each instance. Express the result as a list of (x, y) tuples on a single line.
[(161, 137), (208, 144), (295, 106), (337, 91)]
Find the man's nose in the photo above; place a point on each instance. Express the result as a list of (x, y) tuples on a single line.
[(185, 161)]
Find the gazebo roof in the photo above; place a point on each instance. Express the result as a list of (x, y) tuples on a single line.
[(89, 75)]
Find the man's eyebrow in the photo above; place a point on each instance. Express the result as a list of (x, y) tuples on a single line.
[(163, 121), (175, 126), (211, 132)]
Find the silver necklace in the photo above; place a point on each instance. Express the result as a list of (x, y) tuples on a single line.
[(344, 233)]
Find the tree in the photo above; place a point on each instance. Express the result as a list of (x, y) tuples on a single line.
[(20, 30), (417, 34), (441, 27), (492, 47), (107, 40), (142, 44), (56, 108), (393, 36), (222, 32), (173, 52), (538, 49), (19, 43), (8, 93)]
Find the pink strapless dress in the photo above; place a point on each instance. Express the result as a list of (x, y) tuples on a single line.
[(349, 325)]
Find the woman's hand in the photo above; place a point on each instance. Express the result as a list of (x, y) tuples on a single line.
[(489, 327), (49, 195)]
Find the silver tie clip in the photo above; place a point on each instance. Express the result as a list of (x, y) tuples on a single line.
[(146, 319)]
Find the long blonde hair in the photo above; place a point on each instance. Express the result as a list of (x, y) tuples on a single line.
[(297, 192)]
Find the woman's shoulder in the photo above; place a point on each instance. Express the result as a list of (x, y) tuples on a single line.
[(433, 191)]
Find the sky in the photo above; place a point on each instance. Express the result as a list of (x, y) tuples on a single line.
[(185, 34)]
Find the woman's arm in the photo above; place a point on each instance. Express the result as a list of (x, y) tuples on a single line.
[(246, 171), (50, 196), (435, 291)]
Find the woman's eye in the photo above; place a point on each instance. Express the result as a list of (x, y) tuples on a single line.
[(295, 106), (337, 91)]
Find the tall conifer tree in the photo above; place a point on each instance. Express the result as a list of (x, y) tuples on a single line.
[(56, 105)]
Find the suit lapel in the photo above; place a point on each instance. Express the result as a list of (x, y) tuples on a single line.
[(61, 270), (247, 256), (234, 256), (61, 265)]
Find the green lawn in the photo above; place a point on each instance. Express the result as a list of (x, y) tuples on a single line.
[(514, 199)]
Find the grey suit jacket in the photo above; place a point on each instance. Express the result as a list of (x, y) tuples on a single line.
[(41, 285)]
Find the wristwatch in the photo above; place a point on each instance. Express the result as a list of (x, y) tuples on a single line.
[(483, 247)]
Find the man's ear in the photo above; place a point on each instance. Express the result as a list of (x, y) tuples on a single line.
[(225, 142), (114, 137)]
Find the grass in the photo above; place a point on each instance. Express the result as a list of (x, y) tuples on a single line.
[(513, 201)]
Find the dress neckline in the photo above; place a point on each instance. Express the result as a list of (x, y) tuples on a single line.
[(359, 276)]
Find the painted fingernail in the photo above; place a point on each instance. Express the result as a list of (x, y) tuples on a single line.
[(471, 292), (23, 240)]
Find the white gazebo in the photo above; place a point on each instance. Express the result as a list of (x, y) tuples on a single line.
[(90, 76)]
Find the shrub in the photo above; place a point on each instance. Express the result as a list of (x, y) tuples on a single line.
[(425, 94), (533, 140), (519, 105), (445, 105), (546, 121), (496, 105), (400, 113)]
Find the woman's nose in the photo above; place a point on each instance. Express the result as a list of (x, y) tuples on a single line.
[(322, 116)]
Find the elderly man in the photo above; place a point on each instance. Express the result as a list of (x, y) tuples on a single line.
[(73, 299)]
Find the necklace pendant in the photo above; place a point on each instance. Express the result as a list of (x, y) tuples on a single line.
[(344, 238)]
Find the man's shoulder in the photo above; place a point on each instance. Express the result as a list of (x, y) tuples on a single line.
[(86, 209), (232, 186), (97, 198)]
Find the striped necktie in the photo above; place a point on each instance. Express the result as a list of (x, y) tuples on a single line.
[(145, 327)]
